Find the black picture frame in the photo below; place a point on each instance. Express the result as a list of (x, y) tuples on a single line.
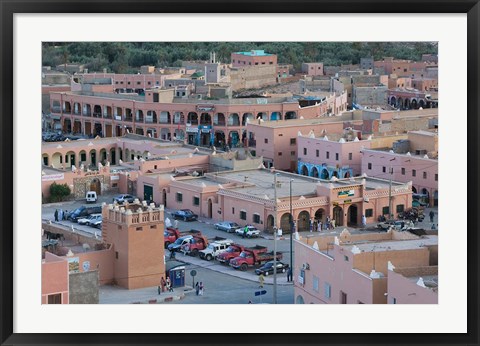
[(10, 7)]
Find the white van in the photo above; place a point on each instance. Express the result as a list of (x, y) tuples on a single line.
[(91, 197), (214, 249)]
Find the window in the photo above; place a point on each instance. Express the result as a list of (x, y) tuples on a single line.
[(350, 156), (424, 175), (128, 83), (400, 208), (384, 169), (343, 297), (414, 173), (280, 135), (55, 298), (233, 211), (271, 62), (179, 197), (436, 177), (368, 212), (149, 83), (256, 63), (394, 300), (116, 254), (266, 141), (292, 153), (83, 157), (153, 226), (279, 153), (243, 215), (327, 290), (256, 218), (345, 258), (328, 154), (385, 211), (317, 153), (369, 165), (304, 151), (403, 171), (61, 159), (138, 83), (293, 141), (315, 283), (45, 161), (336, 156), (66, 158), (196, 201), (139, 229), (349, 95)]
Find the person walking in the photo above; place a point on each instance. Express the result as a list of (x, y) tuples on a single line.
[(319, 226), (200, 289), (432, 215), (197, 288), (333, 223), (261, 280), (60, 215), (364, 221), (169, 285), (327, 223), (65, 215), (163, 284), (159, 289), (289, 274), (56, 214), (245, 231)]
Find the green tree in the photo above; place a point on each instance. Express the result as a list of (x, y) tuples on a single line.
[(59, 192)]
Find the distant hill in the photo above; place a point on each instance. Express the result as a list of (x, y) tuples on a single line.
[(125, 57)]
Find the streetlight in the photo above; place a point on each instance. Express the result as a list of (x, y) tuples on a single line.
[(390, 191), (275, 239), (291, 229)]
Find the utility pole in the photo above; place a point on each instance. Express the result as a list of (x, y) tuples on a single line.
[(390, 171), (291, 229), (275, 239)]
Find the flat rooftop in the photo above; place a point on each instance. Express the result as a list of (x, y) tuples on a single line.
[(298, 122), (254, 53), (394, 245)]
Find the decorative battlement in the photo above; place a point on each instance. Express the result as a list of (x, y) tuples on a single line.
[(134, 213)]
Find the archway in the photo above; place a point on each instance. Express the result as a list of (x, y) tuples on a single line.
[(45, 159), (210, 206), (414, 104), (303, 223), (299, 300), (352, 215), (414, 189), (290, 115), (406, 104), (83, 158), (276, 116), (247, 117), (96, 186), (421, 104), (93, 157), (425, 192), (164, 134), (285, 222), (400, 103), (69, 159), (205, 119), (335, 174), (304, 170), (338, 215), (67, 126), (113, 156), (233, 139), (324, 174), (320, 214), (315, 172), (262, 115), (127, 155), (164, 197), (233, 120), (103, 156), (57, 160), (219, 119), (346, 175), (270, 223), (393, 100), (192, 118), (219, 139), (179, 135)]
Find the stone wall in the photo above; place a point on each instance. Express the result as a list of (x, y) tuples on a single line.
[(83, 288), (253, 77), (82, 185)]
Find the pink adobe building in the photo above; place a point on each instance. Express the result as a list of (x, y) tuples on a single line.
[(54, 279), (246, 197), (403, 68), (408, 98), (276, 141), (313, 68), (421, 171), (355, 268), (324, 158), (160, 115), (413, 285), (253, 58)]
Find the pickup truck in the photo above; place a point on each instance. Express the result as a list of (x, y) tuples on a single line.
[(252, 231), (231, 252), (183, 239), (170, 235), (253, 256), (214, 249)]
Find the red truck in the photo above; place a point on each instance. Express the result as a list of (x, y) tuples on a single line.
[(233, 251), (171, 234), (253, 256), (197, 243)]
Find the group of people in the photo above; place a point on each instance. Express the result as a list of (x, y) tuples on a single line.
[(165, 285), (60, 215), (328, 225), (199, 288)]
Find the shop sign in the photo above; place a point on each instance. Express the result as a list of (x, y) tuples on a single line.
[(53, 177), (345, 194), (192, 129)]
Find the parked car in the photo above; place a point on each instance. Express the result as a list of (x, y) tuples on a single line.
[(83, 212), (214, 249), (177, 245), (95, 221), (396, 224), (251, 233), (185, 215), (120, 199), (91, 197), (90, 220), (267, 268), (227, 226)]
